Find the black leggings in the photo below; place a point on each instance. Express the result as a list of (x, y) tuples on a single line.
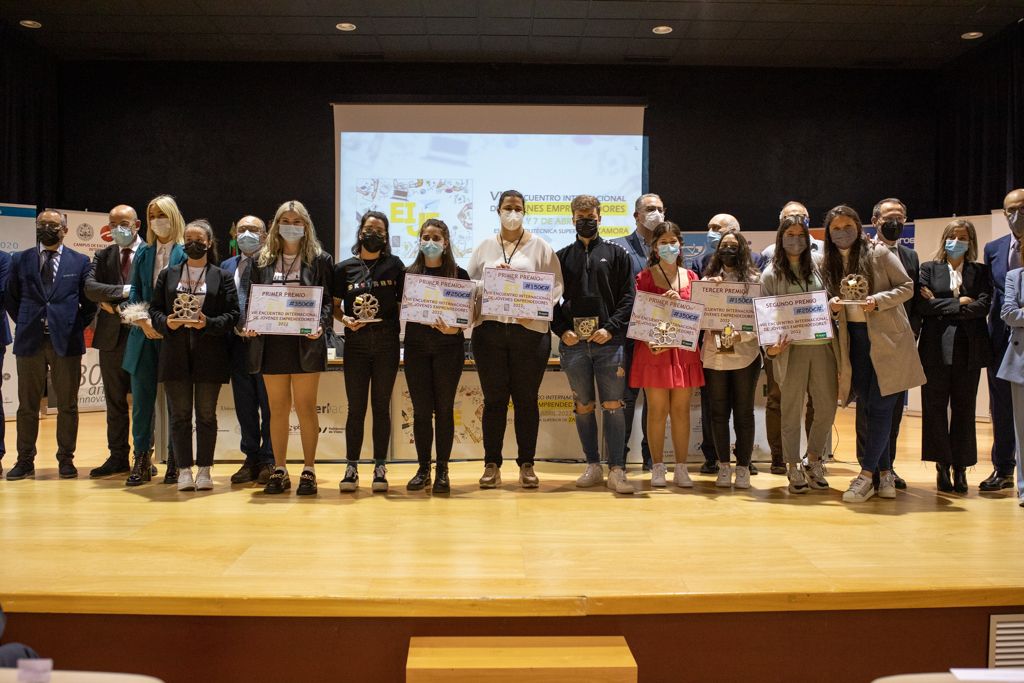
[(432, 372), (732, 392), (371, 365)]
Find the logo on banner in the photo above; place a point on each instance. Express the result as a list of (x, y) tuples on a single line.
[(84, 231)]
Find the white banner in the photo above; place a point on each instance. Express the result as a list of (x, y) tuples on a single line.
[(426, 298), (662, 321), (726, 303), (803, 316), (518, 293)]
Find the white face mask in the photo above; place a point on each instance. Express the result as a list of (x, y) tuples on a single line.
[(653, 219), (511, 220), (161, 226), (292, 233)]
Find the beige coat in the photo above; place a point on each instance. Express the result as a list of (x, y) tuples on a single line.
[(893, 351)]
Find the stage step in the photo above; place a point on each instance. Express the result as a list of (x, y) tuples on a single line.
[(589, 659)]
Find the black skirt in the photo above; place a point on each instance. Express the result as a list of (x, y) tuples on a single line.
[(281, 355)]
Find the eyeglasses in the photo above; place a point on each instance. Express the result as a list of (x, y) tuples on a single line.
[(46, 224)]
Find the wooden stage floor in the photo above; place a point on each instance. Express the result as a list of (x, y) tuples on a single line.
[(97, 547)]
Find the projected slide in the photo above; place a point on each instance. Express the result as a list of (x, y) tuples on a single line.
[(458, 178)]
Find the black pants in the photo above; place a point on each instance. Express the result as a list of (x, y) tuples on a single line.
[(863, 426), (1004, 441), (510, 360), (117, 384), (432, 371), (731, 392), (3, 422), (371, 365), (66, 376), (183, 398), (629, 408), (252, 408), (953, 387)]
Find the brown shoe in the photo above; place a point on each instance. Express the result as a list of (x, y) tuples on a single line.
[(492, 476), (244, 475), (527, 479), (263, 474)]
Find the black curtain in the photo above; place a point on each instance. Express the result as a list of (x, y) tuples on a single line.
[(981, 126)]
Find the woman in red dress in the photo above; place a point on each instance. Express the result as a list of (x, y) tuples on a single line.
[(667, 374)]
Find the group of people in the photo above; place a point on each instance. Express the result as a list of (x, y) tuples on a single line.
[(934, 325)]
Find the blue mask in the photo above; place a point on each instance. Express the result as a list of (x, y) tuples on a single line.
[(668, 252), (431, 249), (956, 248), (714, 237), (123, 237), (248, 242)]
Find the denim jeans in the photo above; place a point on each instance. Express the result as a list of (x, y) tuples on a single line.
[(586, 363), (879, 408)]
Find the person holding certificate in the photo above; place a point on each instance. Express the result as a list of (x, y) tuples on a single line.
[(804, 367), (291, 363), (667, 375), (511, 354), (877, 355), (732, 365), (434, 358), (367, 292), (195, 308)]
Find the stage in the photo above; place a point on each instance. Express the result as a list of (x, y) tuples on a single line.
[(727, 580)]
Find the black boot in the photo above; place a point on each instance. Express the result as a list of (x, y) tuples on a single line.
[(115, 464), (171, 475), (441, 484), (942, 480), (420, 480), (960, 479), (141, 471)]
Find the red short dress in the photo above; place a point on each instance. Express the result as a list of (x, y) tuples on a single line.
[(673, 369)]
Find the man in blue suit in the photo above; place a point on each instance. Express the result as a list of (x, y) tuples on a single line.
[(251, 405), (46, 298), (1002, 255), (5, 339)]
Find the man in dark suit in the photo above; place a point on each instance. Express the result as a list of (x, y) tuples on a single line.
[(1002, 255), (5, 339), (109, 285), (251, 405), (46, 298), (889, 216)]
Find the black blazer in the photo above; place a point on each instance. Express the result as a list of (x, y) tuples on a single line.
[(104, 285), (943, 316), (190, 354), (912, 264), (312, 352)]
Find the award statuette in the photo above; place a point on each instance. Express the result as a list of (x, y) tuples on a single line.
[(664, 335), (366, 307), (723, 339), (186, 307), (853, 289), (585, 327)]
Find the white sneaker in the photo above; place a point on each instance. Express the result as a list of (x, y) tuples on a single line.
[(887, 485), (860, 490), (681, 477), (815, 475), (185, 481), (592, 476), (724, 480), (742, 477), (204, 481), (797, 480), (617, 481), (658, 472)]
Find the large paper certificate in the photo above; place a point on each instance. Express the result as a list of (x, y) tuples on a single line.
[(426, 298), (726, 303), (517, 293), (284, 309), (661, 321), (798, 316)]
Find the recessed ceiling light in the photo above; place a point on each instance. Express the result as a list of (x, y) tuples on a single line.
[(345, 26), (972, 35), (661, 30), (30, 23)]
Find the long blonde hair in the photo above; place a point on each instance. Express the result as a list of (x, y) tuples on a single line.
[(309, 248), (169, 207)]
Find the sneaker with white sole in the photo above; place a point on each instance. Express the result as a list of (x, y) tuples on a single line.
[(742, 477), (527, 477), (592, 476), (681, 478), (797, 480), (491, 478), (724, 479), (860, 490), (350, 482), (887, 485), (815, 475), (380, 479), (618, 482), (658, 474), (204, 480), (185, 480)]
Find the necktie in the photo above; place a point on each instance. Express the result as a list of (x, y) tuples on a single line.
[(46, 272), (243, 284), (1015, 254), (126, 264)]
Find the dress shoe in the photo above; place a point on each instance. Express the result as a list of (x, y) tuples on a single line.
[(899, 481), (67, 470), (420, 480), (21, 470), (709, 467), (778, 467), (960, 479), (142, 471), (245, 473), (943, 482), (263, 473), (441, 484), (997, 481), (115, 464), (171, 475)]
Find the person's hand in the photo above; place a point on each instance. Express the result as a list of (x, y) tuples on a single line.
[(106, 307), (444, 328), (779, 346), (315, 335), (503, 265), (350, 323), (671, 294), (716, 278), (249, 334), (601, 336), (570, 338), (736, 337), (965, 300), (196, 324), (869, 304), (174, 323), (149, 330), (926, 293), (657, 350), (834, 305)]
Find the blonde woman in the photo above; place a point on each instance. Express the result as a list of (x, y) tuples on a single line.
[(291, 365), (165, 230)]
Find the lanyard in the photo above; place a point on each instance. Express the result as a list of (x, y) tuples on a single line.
[(508, 257), (667, 281), (193, 284), (294, 267)]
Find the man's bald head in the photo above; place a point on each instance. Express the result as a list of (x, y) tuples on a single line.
[(253, 223), (51, 216), (723, 223), (122, 213), (1014, 200)]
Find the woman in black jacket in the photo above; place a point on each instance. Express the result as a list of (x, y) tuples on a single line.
[(291, 364), (956, 292), (195, 308)]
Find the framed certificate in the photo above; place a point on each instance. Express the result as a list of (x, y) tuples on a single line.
[(426, 298), (518, 293), (284, 309)]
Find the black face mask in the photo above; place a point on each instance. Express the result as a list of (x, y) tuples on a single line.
[(586, 227), (372, 242), (195, 249), (47, 235), (729, 256), (891, 229)]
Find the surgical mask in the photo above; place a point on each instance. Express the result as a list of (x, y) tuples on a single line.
[(729, 255), (161, 226), (1016, 221), (431, 249), (511, 220), (372, 241), (47, 235), (653, 219), (122, 236), (891, 229), (794, 245), (586, 227), (844, 237), (291, 233), (668, 252), (195, 249), (714, 237), (248, 242), (956, 248)]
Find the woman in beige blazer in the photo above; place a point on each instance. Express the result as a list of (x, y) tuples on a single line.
[(877, 356)]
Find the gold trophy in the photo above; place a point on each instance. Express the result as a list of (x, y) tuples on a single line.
[(665, 334), (587, 322), (853, 289), (724, 341), (366, 307), (585, 327), (186, 307)]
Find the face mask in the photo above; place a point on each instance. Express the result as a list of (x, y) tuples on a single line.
[(844, 237), (1016, 222), (891, 229), (123, 236), (956, 248), (793, 244), (668, 252), (511, 220), (431, 249), (371, 241), (195, 249), (714, 237), (248, 242), (161, 226), (47, 235), (291, 233), (586, 227), (729, 255), (653, 219)]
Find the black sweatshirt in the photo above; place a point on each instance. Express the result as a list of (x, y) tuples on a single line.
[(598, 281)]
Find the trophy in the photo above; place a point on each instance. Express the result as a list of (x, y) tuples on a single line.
[(186, 307), (853, 289), (366, 307), (665, 334), (586, 325), (723, 339)]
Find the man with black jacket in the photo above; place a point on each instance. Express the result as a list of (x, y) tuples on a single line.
[(591, 321)]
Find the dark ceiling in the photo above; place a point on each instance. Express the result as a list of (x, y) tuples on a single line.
[(843, 33)]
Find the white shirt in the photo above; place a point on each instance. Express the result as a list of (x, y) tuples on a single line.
[(163, 257), (744, 351), (133, 248), (56, 258), (193, 281), (956, 278)]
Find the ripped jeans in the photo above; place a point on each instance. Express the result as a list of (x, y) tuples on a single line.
[(586, 363)]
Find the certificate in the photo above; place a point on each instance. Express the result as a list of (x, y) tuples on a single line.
[(284, 309), (518, 293), (800, 317), (426, 298), (726, 303), (664, 322)]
